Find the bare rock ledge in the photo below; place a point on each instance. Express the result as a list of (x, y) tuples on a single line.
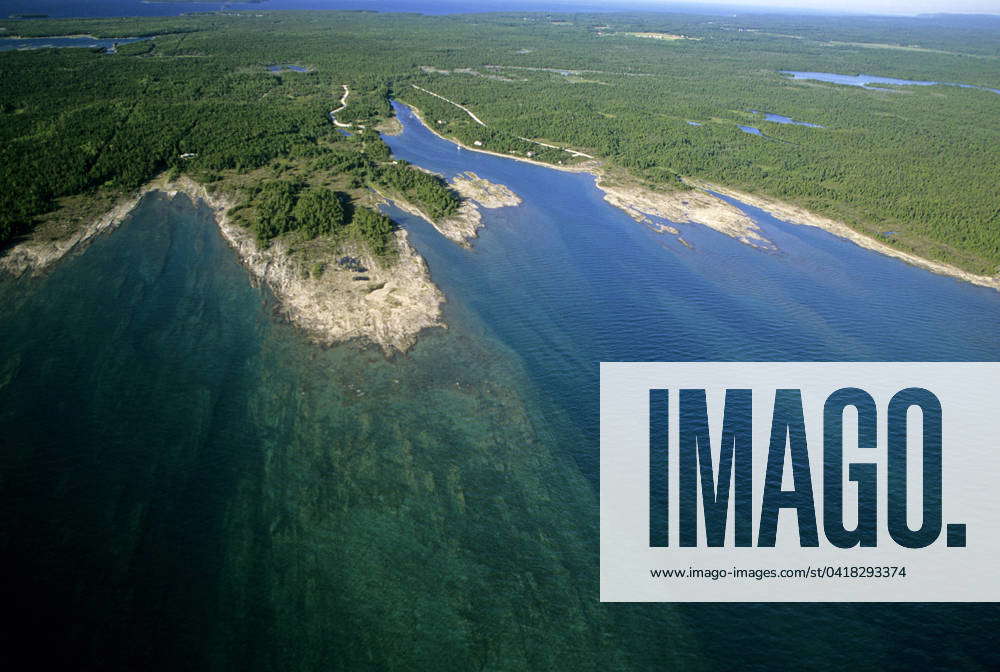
[(387, 304)]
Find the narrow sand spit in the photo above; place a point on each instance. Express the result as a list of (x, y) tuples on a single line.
[(796, 215)]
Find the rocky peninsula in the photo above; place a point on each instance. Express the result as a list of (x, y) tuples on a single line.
[(386, 302)]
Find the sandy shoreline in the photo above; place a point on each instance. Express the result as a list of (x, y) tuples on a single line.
[(385, 304), (694, 206), (586, 167), (796, 215)]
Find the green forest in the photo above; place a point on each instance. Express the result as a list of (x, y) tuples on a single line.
[(916, 166)]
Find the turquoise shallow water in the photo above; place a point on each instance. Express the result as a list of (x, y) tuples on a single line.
[(188, 482)]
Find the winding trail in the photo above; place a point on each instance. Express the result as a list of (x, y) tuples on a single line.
[(461, 107), (483, 123), (343, 105)]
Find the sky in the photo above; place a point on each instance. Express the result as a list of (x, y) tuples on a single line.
[(855, 6)]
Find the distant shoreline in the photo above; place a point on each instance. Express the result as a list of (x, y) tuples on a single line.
[(60, 37)]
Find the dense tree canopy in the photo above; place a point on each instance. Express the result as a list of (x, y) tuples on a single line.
[(428, 190), (319, 211)]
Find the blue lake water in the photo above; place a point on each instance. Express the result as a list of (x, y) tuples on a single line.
[(751, 130), (567, 278), (293, 68), (693, 123), (189, 483), (11, 43), (780, 119), (864, 81)]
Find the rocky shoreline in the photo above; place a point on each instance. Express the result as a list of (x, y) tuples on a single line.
[(684, 207), (485, 193), (387, 304), (34, 256)]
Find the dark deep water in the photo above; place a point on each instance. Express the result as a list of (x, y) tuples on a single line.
[(188, 483)]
